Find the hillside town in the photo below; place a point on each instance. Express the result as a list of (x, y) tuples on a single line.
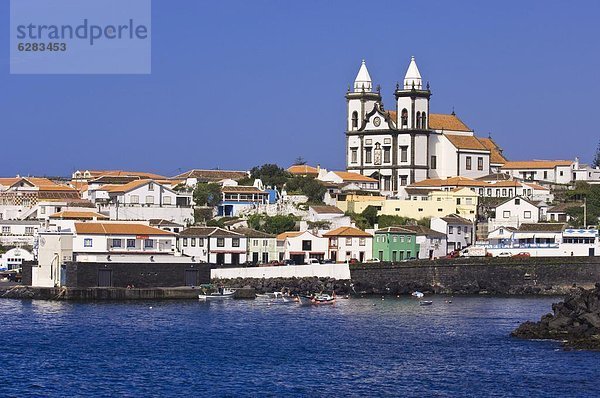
[(417, 185)]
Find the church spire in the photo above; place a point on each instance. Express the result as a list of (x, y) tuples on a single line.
[(412, 79), (363, 79)]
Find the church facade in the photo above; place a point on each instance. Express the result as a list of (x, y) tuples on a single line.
[(409, 143)]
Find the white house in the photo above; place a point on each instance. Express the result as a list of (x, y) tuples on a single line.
[(13, 258), (143, 200), (547, 171), (302, 246), (213, 245), (345, 178), (18, 232), (513, 212), (432, 244), (318, 215), (347, 243), (459, 231)]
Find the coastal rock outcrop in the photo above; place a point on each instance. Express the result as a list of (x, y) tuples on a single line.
[(575, 321)]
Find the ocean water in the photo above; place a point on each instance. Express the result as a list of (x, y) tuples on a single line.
[(357, 347)]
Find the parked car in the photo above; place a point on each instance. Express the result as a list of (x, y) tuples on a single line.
[(373, 260), (453, 254), (275, 263), (474, 251), (522, 255), (313, 261), (289, 262), (504, 254), (327, 261)]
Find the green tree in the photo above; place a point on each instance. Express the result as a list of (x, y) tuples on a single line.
[(596, 161), (270, 174), (370, 215), (207, 194), (272, 224), (312, 188), (359, 220), (390, 221)]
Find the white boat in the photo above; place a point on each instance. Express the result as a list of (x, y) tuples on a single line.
[(425, 302), (316, 299), (222, 294), (417, 294)]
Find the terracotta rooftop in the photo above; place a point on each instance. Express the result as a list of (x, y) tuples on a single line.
[(120, 173), (213, 175), (466, 142), (496, 156), (326, 209), (253, 233), (289, 234), (536, 164), (303, 169), (349, 176), (422, 230), (78, 215), (562, 207), (541, 227), (399, 230), (241, 189), (209, 231), (456, 219), (93, 228), (348, 231), (439, 121), (117, 188)]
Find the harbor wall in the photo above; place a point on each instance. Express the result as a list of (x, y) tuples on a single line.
[(335, 271)]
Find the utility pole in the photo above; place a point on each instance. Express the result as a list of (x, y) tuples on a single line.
[(584, 212)]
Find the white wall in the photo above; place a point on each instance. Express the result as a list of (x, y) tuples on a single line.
[(336, 271)]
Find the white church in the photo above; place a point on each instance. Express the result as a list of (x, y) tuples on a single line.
[(409, 143)]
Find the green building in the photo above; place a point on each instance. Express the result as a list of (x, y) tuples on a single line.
[(395, 244)]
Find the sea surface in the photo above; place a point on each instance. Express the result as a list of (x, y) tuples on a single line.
[(357, 347)]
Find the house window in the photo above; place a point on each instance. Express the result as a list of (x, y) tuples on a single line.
[(527, 214), (404, 118), (506, 214), (43, 210), (306, 245), (348, 241), (395, 238), (235, 242), (458, 230), (362, 242), (403, 180), (184, 242), (433, 162), (265, 243), (201, 242), (480, 191), (408, 239), (193, 242), (402, 239), (517, 201), (468, 166), (149, 199), (130, 243), (465, 229), (480, 163), (404, 154), (116, 243), (28, 230), (150, 186), (354, 120), (354, 155), (255, 242), (87, 242), (386, 154), (450, 230), (503, 191), (489, 192), (458, 201), (220, 242), (368, 157), (166, 200), (134, 199), (148, 243), (545, 175)]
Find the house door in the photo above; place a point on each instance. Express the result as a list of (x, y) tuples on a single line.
[(380, 255), (104, 277), (361, 257), (191, 277), (255, 258), (265, 258), (235, 258), (334, 256), (430, 254), (220, 258), (592, 251)]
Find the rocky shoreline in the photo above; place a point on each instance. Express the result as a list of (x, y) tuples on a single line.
[(574, 321)]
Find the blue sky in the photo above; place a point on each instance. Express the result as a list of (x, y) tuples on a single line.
[(240, 83)]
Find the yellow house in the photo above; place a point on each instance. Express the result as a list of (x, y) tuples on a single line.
[(436, 203)]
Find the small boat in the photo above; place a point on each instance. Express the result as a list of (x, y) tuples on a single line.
[(317, 299), (417, 294), (425, 302), (221, 294)]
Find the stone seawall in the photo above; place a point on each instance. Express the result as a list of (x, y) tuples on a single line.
[(499, 276), (548, 275)]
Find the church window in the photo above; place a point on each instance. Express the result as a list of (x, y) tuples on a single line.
[(386, 154), (354, 120), (403, 180), (368, 155), (418, 120), (468, 163), (403, 153), (354, 155), (404, 118), (423, 121)]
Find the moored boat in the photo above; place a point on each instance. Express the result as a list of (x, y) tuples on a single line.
[(221, 294)]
